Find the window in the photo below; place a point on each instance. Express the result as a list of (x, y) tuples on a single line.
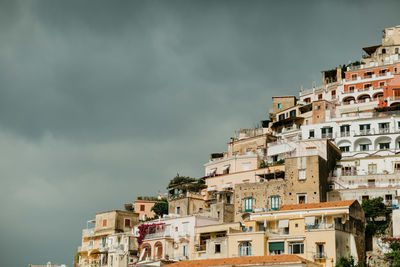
[(275, 202), (320, 97), (228, 199), (279, 105), (103, 241), (383, 51), (381, 84), (178, 210), (127, 223), (371, 182), (296, 248), (320, 251), (301, 198), (245, 249), (104, 223), (367, 85), (351, 89), (396, 50), (281, 117), (333, 93), (326, 132), (292, 113), (307, 100), (302, 174), (384, 127), (384, 146), (344, 130), (397, 167), (248, 204), (345, 148), (312, 134), (388, 199), (217, 248), (142, 207), (318, 107), (366, 197), (354, 77), (251, 229), (371, 168), (185, 250), (276, 248), (364, 129), (364, 147)]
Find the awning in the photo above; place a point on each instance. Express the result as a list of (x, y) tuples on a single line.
[(283, 223), (310, 220), (276, 246)]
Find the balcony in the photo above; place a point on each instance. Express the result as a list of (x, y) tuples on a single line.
[(320, 256), (320, 226), (201, 248), (368, 77), (87, 232), (162, 234), (384, 130), (345, 134), (327, 136)]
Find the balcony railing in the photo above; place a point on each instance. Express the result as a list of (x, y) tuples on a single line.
[(319, 255), (320, 226), (157, 235), (327, 135), (345, 134), (201, 247)]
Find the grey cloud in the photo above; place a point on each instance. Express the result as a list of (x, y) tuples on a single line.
[(102, 101)]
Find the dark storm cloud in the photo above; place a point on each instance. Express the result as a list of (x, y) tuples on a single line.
[(101, 101)]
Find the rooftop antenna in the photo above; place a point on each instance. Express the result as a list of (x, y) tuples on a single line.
[(314, 84)]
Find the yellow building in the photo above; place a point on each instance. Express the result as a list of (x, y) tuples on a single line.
[(318, 232), (95, 240)]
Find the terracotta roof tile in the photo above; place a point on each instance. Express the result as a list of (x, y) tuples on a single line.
[(279, 259), (332, 204)]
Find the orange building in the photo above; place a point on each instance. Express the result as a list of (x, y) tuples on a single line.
[(143, 207)]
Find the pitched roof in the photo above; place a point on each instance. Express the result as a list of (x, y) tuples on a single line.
[(332, 204), (276, 259)]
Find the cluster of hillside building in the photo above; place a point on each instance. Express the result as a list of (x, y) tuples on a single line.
[(286, 193)]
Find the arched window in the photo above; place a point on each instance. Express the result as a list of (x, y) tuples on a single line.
[(245, 249)]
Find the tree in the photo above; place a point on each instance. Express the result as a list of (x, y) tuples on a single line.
[(393, 257), (345, 262), (374, 209), (160, 207), (177, 180)]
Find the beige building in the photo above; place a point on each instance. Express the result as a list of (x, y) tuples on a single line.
[(211, 241), (385, 52), (321, 232), (143, 208), (246, 151), (95, 246), (308, 170), (186, 199), (267, 194), (122, 249), (318, 232)]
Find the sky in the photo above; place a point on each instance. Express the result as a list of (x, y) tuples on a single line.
[(103, 101)]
